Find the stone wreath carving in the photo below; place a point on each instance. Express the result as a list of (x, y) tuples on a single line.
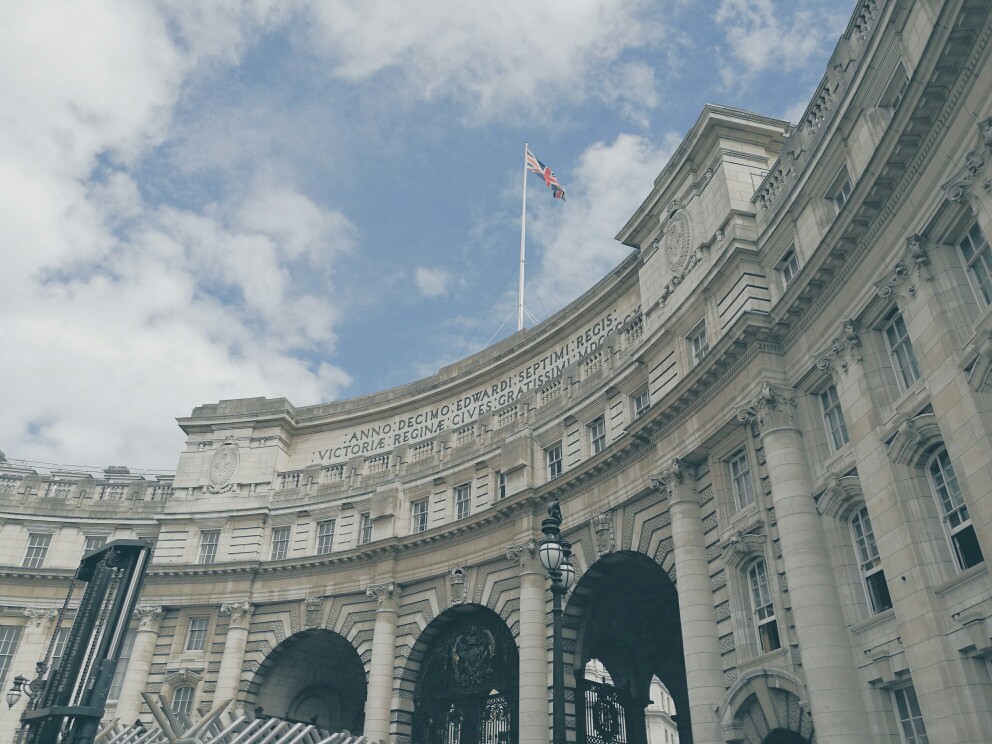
[(222, 467)]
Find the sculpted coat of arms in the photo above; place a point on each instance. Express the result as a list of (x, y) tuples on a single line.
[(222, 467), (678, 238), (473, 653)]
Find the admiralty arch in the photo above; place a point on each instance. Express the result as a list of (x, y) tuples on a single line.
[(769, 431)]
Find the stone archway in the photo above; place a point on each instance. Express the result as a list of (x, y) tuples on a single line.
[(315, 677), (765, 707), (466, 689), (624, 611)]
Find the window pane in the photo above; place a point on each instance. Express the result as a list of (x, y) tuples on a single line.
[(978, 260), (364, 528), (280, 543), (182, 701), (37, 550), (553, 455), (125, 657), (196, 638), (901, 352), (325, 537), (463, 501), (208, 546), (740, 476), (9, 635), (419, 523)]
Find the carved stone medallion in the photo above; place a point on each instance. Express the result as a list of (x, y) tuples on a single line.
[(678, 238), (222, 467)]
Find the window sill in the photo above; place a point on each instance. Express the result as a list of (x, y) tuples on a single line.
[(873, 621), (975, 572), (761, 660)]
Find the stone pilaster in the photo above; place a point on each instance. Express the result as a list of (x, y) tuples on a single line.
[(136, 675), (229, 675), (378, 704), (703, 667), (831, 676), (534, 719)]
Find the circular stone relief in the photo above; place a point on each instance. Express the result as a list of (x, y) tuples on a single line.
[(223, 464), (677, 240)]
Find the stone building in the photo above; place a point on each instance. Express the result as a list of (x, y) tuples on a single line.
[(769, 428)]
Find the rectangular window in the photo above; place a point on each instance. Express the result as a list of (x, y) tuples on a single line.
[(94, 542), (500, 484), (901, 351), (698, 344), (364, 528), (870, 563), (642, 402), (117, 683), (196, 636), (957, 520), (280, 543), (9, 635), (325, 537), (896, 89), (597, 435), (58, 648), (763, 608), (840, 192), (740, 478), (910, 718), (418, 516), (977, 258), (553, 456), (209, 540), (37, 550), (463, 501), (788, 267), (833, 418)]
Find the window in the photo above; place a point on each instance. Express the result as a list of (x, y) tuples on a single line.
[(364, 528), (553, 456), (788, 267), (325, 537), (500, 484), (840, 192), (58, 648), (37, 550), (597, 435), (833, 418), (209, 539), (9, 635), (740, 478), (901, 351), (642, 402), (94, 542), (463, 501), (978, 261), (869, 562), (117, 683), (280, 543), (418, 516), (910, 719), (896, 89), (182, 700), (764, 610), (196, 636), (954, 512), (698, 344)]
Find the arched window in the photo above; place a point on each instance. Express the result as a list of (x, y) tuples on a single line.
[(954, 512), (762, 607), (869, 562), (182, 700)]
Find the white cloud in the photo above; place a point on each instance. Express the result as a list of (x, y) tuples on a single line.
[(514, 57), (432, 282)]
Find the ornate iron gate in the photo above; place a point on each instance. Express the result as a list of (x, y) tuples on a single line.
[(466, 689), (604, 718)]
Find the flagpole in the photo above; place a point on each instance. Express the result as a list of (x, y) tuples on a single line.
[(523, 243)]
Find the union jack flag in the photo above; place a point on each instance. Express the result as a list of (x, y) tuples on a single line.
[(550, 180)]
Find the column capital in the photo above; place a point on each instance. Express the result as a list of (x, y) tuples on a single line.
[(383, 593), (774, 407), (240, 613), (677, 480), (844, 349), (521, 552), (149, 616)]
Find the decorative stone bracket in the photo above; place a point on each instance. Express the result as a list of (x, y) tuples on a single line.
[(743, 545)]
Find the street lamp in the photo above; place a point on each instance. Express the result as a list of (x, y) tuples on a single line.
[(30, 688), (556, 554)]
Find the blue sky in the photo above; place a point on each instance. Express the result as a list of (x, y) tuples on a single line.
[(321, 199)]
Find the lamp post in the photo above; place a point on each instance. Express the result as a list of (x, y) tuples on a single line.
[(556, 556)]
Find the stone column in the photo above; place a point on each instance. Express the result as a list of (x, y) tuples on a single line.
[(700, 640), (378, 704), (229, 675), (836, 702), (533, 680), (136, 675)]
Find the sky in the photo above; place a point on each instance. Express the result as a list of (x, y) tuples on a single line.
[(318, 200)]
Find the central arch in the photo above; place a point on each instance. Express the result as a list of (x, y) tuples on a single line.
[(315, 676), (467, 684), (624, 612)]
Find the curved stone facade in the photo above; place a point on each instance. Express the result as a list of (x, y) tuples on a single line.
[(774, 417)]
